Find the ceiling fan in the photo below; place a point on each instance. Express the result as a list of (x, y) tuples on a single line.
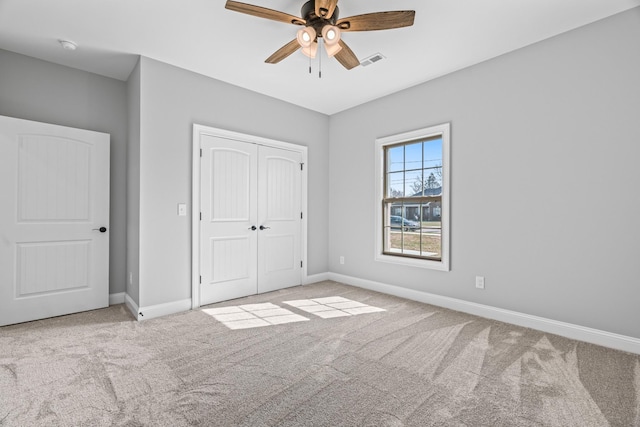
[(320, 20)]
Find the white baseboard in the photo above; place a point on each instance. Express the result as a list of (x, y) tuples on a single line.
[(568, 330), (315, 278), (116, 298), (153, 311), (131, 305)]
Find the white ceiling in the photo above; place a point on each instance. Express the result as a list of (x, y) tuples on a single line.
[(202, 36)]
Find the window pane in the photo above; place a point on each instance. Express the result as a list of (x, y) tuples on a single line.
[(433, 182), (432, 153), (394, 240), (413, 156), (395, 184), (396, 210), (395, 159), (413, 183), (392, 232), (431, 230)]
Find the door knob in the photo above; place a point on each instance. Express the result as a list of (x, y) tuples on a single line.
[(252, 228), (262, 227), (101, 229)]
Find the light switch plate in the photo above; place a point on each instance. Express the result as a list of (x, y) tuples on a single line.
[(182, 209)]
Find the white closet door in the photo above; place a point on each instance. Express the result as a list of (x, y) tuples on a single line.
[(251, 226), (279, 213), (228, 245), (54, 183)]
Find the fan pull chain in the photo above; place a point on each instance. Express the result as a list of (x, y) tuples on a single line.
[(320, 58)]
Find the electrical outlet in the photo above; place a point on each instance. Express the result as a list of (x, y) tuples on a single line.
[(342, 260), (480, 282)]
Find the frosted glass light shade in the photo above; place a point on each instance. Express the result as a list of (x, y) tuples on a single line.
[(311, 51), (332, 49), (306, 36), (331, 35)]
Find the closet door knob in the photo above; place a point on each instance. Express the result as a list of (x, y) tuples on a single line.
[(262, 227), (252, 228)]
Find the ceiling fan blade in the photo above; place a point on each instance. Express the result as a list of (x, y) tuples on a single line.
[(325, 8), (263, 12), (346, 57), (377, 21), (283, 52)]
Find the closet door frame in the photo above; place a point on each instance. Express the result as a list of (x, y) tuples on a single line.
[(198, 132)]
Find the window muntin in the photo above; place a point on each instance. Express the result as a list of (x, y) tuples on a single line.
[(413, 198)]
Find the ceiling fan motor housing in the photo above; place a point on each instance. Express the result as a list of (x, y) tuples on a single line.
[(308, 12)]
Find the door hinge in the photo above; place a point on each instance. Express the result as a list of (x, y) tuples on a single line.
[(200, 216), (301, 166), (201, 152), (300, 264), (300, 215), (200, 279)]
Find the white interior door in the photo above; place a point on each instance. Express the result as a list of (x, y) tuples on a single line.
[(250, 228), (280, 214), (228, 204), (54, 183)]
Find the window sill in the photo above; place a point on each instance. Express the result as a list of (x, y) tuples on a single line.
[(413, 262)]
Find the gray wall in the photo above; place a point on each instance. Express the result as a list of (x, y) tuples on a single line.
[(545, 199), (37, 90), (171, 100)]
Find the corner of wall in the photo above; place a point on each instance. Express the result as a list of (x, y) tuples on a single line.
[(133, 185)]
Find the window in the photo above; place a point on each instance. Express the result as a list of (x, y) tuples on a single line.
[(412, 206)]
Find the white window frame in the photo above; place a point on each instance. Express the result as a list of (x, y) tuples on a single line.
[(445, 131)]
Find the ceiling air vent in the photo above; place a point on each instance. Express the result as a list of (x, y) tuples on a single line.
[(372, 59)]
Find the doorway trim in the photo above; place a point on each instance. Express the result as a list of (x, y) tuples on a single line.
[(198, 131)]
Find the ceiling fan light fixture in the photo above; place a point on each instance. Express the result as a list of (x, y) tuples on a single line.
[(319, 19), (331, 35), (311, 50), (332, 49), (306, 36)]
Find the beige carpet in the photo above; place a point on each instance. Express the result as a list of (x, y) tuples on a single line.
[(410, 365)]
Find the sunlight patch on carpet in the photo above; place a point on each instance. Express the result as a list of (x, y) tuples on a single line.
[(253, 315), (330, 307)]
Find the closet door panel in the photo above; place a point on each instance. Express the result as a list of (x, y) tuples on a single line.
[(279, 215), (228, 245)]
